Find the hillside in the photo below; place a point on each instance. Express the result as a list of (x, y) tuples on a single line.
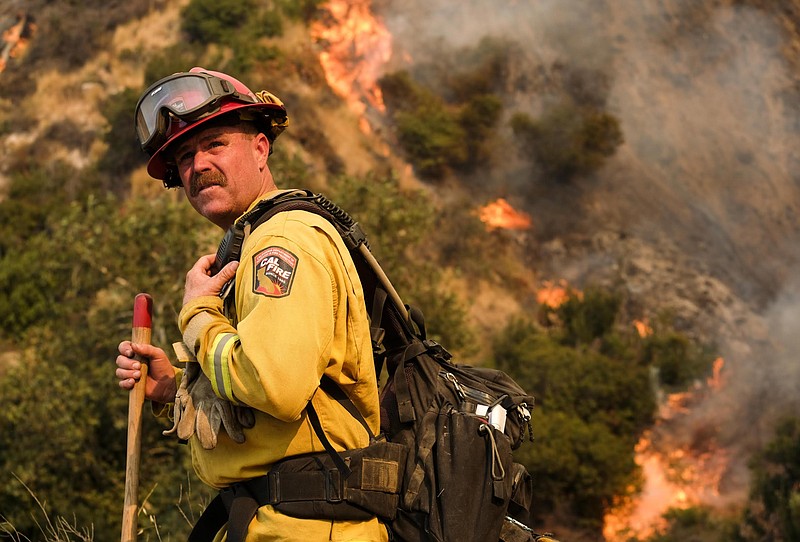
[(695, 215), (692, 216)]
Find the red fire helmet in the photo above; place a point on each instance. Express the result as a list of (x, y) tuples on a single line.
[(176, 104)]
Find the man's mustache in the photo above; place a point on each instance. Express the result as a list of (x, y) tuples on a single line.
[(206, 179)]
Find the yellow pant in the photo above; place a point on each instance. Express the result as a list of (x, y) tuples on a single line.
[(272, 526)]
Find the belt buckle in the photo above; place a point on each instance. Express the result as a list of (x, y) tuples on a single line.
[(334, 486)]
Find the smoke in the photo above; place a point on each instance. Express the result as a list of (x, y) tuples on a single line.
[(706, 106), (760, 386), (704, 189), (783, 320), (768, 374)]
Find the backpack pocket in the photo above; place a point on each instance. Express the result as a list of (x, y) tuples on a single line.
[(473, 476), (490, 395)]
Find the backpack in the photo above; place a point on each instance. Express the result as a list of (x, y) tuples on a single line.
[(448, 429)]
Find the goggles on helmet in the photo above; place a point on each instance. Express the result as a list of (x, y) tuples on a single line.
[(186, 97)]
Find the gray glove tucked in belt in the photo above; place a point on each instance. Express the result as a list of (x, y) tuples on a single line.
[(198, 410)]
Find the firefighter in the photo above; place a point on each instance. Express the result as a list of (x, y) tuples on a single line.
[(292, 311)]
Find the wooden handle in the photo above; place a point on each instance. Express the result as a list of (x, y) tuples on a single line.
[(140, 334)]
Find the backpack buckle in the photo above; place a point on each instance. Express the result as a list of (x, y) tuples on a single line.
[(334, 486), (354, 237), (273, 488), (437, 350)]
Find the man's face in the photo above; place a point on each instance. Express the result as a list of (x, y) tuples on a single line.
[(222, 171)]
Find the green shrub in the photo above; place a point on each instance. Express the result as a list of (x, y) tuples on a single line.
[(215, 21), (478, 118), (463, 242), (61, 407), (437, 136), (568, 141), (235, 23), (679, 361), (401, 93), (267, 23), (305, 129), (290, 170), (578, 468), (590, 412), (67, 133), (247, 54), (302, 10), (582, 382), (433, 139), (68, 33), (428, 131), (477, 71), (773, 509), (696, 524), (33, 196), (588, 317), (586, 87), (176, 58)]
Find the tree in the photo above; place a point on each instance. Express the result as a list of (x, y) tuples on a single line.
[(590, 411)]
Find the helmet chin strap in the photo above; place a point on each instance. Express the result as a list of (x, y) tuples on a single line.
[(172, 179)]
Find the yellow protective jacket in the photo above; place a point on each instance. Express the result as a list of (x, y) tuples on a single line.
[(300, 313)]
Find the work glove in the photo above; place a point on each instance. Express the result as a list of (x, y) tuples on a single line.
[(199, 411)]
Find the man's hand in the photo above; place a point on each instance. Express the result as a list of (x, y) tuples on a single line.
[(160, 384), (200, 282)]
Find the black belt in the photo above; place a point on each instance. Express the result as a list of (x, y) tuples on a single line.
[(237, 505)]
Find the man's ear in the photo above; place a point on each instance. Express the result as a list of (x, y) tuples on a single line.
[(262, 148)]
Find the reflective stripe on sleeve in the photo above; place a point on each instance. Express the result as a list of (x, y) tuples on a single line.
[(219, 357)]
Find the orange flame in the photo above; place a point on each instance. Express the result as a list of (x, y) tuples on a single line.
[(643, 328), (716, 380), (501, 215), (554, 294), (674, 404), (15, 39), (356, 45), (680, 477), (642, 517)]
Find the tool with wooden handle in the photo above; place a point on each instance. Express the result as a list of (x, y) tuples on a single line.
[(140, 334)]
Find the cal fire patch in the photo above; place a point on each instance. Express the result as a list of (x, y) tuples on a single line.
[(273, 272)]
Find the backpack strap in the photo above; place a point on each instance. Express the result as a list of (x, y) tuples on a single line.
[(415, 315), (332, 388), (313, 417)]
